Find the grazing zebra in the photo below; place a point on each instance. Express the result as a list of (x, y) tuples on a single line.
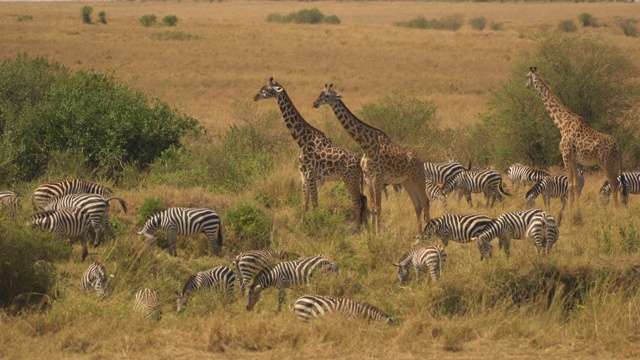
[(442, 173), (309, 307), (10, 202), (434, 192), (422, 258), (632, 186), (64, 222), (511, 225), (95, 277), (147, 302), (44, 193), (184, 221), (521, 174), (552, 187), (488, 182), (249, 263), (543, 231), (96, 206), (220, 276), (286, 274), (460, 228)]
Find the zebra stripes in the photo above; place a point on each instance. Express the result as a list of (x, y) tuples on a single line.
[(147, 303), (442, 173), (64, 222), (521, 174), (44, 193), (9, 202), (184, 221), (553, 187), (249, 263), (309, 307), (543, 231), (220, 276), (632, 186), (95, 205), (488, 182), (422, 258), (460, 228), (95, 277), (287, 274), (434, 192), (511, 225)]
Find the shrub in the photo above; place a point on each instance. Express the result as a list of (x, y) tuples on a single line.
[(173, 35), (496, 26), (148, 20), (305, 16), (331, 19), (149, 207), (567, 26), (630, 27), (588, 20), (102, 17), (251, 227), (86, 14), (170, 20), (24, 17), (451, 22), (478, 23)]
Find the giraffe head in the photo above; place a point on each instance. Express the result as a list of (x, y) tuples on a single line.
[(268, 91), (531, 76), (327, 96)]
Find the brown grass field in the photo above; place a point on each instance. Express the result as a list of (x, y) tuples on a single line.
[(229, 52)]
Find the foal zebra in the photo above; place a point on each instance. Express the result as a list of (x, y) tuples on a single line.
[(552, 187), (64, 222), (632, 186), (95, 277), (488, 182), (543, 231), (249, 263), (184, 221), (422, 258), (220, 276), (521, 174), (511, 225), (460, 228), (286, 274), (10, 202), (147, 302), (44, 193), (95, 205), (309, 307)]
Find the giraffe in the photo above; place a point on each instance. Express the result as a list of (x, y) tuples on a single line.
[(383, 162), (580, 144), (320, 159)]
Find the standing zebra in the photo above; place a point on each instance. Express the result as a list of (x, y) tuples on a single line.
[(64, 222), (488, 182), (147, 302), (220, 276), (249, 263), (460, 228), (543, 231), (511, 225), (10, 202), (442, 173), (309, 307), (287, 274), (44, 193), (95, 277), (184, 221), (95, 205), (521, 174), (552, 187), (422, 258), (632, 186)]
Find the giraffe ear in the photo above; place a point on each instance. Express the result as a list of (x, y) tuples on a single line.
[(271, 80), (277, 88)]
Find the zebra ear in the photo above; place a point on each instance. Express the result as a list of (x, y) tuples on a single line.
[(396, 264)]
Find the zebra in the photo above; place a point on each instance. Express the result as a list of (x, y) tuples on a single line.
[(309, 307), (287, 274), (511, 225), (543, 232), (147, 302), (442, 173), (521, 174), (460, 228), (249, 263), (44, 193), (552, 187), (422, 258), (632, 186), (434, 192), (488, 182), (184, 221), (10, 202), (220, 276), (96, 205), (95, 277), (64, 222)]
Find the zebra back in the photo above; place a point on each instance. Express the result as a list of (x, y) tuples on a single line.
[(44, 193), (518, 173), (64, 222), (247, 264), (422, 258), (10, 202), (95, 277), (309, 307), (460, 228), (440, 173), (220, 276)]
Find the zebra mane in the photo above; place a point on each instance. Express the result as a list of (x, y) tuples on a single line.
[(405, 258), (535, 186)]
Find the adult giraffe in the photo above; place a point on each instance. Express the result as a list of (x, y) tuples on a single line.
[(383, 162), (580, 144), (320, 160)]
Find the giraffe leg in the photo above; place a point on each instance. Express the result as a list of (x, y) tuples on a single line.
[(352, 182), (613, 182), (419, 200), (376, 190)]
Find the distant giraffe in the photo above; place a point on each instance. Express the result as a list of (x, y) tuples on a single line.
[(320, 160), (580, 143), (383, 162)]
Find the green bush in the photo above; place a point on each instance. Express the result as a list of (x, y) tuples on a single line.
[(630, 27), (148, 20), (170, 20), (451, 22), (496, 26), (331, 19), (588, 20), (173, 35), (478, 23), (149, 207), (251, 227), (305, 16), (567, 26), (102, 17), (86, 14), (24, 17)]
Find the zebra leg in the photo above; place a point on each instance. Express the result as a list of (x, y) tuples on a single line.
[(172, 242), (85, 251), (467, 196), (282, 297), (98, 231), (505, 243)]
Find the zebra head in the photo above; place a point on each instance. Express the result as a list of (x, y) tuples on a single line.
[(181, 302), (268, 91), (327, 96), (149, 228), (485, 247), (605, 192), (254, 295), (405, 262), (431, 229)]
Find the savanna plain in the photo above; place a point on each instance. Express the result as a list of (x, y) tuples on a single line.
[(581, 301)]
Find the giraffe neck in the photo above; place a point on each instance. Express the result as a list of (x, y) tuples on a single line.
[(365, 135), (560, 114), (301, 131)]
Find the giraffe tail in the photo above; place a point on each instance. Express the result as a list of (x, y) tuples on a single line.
[(625, 189), (364, 210)]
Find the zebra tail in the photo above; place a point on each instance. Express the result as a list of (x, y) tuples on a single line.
[(502, 190), (121, 201), (219, 237), (469, 168)]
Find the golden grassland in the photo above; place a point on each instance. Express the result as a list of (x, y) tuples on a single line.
[(231, 56)]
